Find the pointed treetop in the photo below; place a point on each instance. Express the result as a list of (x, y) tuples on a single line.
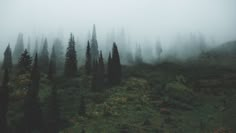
[(94, 36)]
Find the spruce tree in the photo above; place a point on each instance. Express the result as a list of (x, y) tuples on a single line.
[(36, 47), (44, 58), (53, 122), (19, 48), (32, 109), (71, 61), (100, 72), (4, 99), (7, 61), (138, 55), (116, 66), (109, 69), (52, 64), (82, 106), (25, 61), (88, 59), (59, 50), (94, 45), (95, 76)]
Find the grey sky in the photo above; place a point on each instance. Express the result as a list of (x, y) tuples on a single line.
[(142, 19)]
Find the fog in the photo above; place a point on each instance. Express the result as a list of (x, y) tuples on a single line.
[(143, 22)]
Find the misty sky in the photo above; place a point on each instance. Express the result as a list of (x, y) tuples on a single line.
[(141, 19)]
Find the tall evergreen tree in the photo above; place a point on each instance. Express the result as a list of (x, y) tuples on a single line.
[(7, 61), (19, 48), (94, 45), (116, 66), (28, 46), (82, 106), (95, 76), (32, 109), (25, 61), (52, 64), (88, 59), (71, 61), (36, 47), (109, 69), (44, 58), (100, 71), (4, 99), (53, 122)]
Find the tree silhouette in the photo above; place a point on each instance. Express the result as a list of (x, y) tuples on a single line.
[(32, 109), (4, 99), (94, 45), (7, 61), (25, 61), (52, 64), (53, 122), (88, 59), (19, 48), (115, 66), (71, 61), (44, 58)]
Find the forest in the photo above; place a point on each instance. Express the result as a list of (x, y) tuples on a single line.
[(46, 91)]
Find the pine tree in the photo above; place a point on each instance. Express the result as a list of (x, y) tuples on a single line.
[(100, 72), (25, 61), (52, 64), (44, 58), (109, 69), (4, 99), (19, 48), (116, 66), (82, 106), (88, 59), (95, 76), (71, 61), (94, 45), (36, 47), (28, 45), (53, 122), (32, 109), (7, 61)]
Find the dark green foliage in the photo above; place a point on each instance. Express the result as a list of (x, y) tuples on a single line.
[(88, 59), (19, 48), (52, 64), (115, 69), (7, 61), (25, 61), (71, 61), (98, 74), (109, 68), (53, 120), (82, 106), (44, 58), (32, 109), (4, 99), (94, 45)]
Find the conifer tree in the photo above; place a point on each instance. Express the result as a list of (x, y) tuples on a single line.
[(19, 48), (53, 122), (138, 55), (116, 66), (71, 61), (52, 64), (109, 69), (4, 99), (36, 47), (25, 61), (32, 109), (28, 46), (44, 58), (94, 45), (82, 106), (88, 59), (7, 61), (95, 76), (100, 71)]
